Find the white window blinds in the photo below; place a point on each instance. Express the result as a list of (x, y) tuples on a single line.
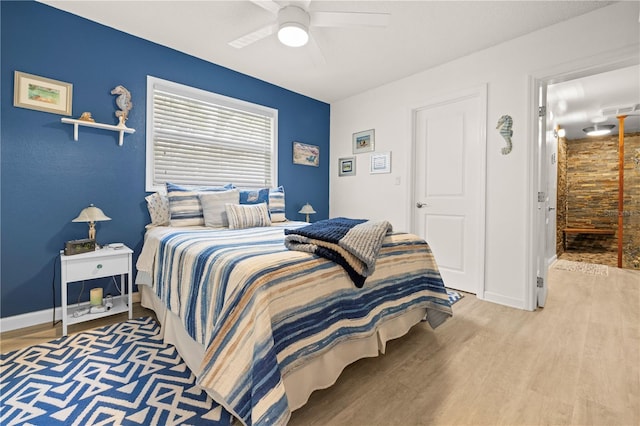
[(196, 137)]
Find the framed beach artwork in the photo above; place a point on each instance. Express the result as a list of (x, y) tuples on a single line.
[(347, 166), (42, 94), (306, 155), (364, 141), (381, 163)]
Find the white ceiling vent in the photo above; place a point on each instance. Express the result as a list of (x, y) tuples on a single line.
[(614, 111)]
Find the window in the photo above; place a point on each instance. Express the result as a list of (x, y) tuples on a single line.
[(195, 137)]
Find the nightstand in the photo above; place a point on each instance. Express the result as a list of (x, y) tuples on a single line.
[(104, 262)]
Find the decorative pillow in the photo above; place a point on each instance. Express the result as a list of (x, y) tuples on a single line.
[(184, 204), (254, 196), (158, 206), (214, 209), (247, 215), (276, 204)]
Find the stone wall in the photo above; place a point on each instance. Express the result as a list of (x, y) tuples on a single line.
[(561, 207), (588, 192), (631, 236)]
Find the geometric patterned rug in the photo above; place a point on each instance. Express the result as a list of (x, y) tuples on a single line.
[(454, 296), (122, 374)]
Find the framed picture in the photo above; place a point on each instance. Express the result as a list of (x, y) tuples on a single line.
[(364, 141), (381, 163), (307, 155), (347, 166), (42, 94)]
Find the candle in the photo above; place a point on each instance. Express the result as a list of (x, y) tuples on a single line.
[(96, 296)]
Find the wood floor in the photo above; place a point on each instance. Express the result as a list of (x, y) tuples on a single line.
[(575, 362)]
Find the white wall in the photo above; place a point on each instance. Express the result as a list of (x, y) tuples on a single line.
[(507, 69)]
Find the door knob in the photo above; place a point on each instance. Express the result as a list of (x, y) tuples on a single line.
[(421, 205)]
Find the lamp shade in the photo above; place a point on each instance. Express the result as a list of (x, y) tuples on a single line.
[(91, 214), (307, 209)]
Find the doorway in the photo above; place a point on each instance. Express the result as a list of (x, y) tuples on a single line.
[(588, 165), (541, 166)]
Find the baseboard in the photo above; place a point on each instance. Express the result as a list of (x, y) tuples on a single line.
[(40, 317), (552, 260), (503, 300)]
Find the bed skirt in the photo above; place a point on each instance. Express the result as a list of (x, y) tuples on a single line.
[(319, 373)]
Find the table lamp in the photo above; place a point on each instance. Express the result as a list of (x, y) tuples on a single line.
[(91, 214), (307, 210)]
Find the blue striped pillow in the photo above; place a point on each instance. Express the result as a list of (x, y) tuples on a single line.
[(276, 204), (242, 216), (184, 204)]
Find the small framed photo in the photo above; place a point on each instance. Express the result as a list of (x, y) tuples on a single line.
[(307, 155), (42, 94), (364, 141), (347, 166), (381, 163)]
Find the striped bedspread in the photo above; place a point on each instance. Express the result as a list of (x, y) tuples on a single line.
[(261, 310)]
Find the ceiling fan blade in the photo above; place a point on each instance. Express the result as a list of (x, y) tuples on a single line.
[(252, 37), (317, 57), (349, 19), (268, 5)]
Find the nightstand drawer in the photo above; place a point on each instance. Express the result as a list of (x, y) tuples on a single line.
[(87, 269)]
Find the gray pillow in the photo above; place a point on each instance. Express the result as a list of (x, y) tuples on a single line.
[(213, 207)]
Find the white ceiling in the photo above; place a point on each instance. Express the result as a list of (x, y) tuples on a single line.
[(421, 35), (579, 103)]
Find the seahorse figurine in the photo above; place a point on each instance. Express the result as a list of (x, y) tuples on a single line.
[(504, 124), (123, 101)]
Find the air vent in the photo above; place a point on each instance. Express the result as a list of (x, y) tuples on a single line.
[(614, 111)]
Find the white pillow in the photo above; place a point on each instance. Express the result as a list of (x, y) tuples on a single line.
[(214, 209), (247, 215), (158, 206)]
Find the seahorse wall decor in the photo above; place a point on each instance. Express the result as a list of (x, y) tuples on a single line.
[(504, 124), (123, 101)]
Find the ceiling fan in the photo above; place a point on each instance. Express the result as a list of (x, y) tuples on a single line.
[(293, 21)]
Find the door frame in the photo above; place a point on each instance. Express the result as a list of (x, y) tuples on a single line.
[(571, 70), (481, 93)]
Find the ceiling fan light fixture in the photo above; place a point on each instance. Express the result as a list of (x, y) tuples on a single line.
[(598, 129), (293, 26), (293, 34)]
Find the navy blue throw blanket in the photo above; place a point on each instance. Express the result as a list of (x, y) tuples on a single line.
[(353, 244)]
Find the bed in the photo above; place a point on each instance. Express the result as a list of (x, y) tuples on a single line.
[(262, 326)]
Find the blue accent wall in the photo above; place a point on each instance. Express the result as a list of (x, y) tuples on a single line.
[(47, 177)]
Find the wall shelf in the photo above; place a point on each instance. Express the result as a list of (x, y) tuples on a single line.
[(120, 128)]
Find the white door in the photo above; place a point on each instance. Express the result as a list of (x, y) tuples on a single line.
[(449, 186), (543, 198), (552, 194)]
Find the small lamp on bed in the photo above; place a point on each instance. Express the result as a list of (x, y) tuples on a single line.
[(91, 214), (307, 209)]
